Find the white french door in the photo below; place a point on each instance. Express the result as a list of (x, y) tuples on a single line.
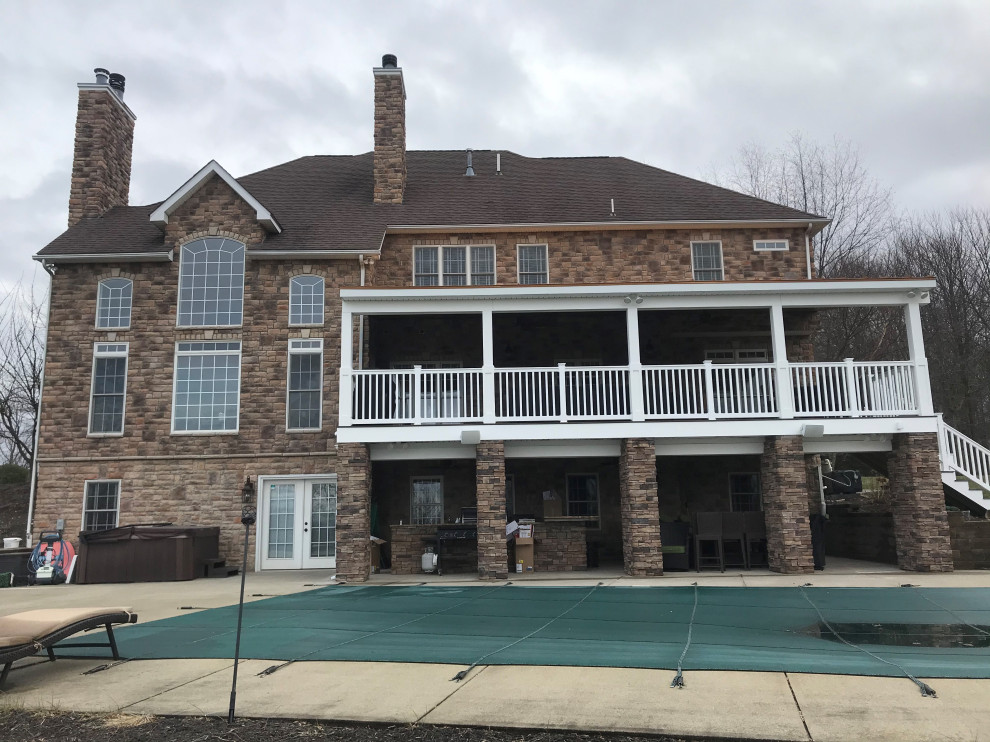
[(298, 524)]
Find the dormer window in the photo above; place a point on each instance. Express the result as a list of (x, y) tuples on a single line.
[(113, 304), (306, 300), (211, 283)]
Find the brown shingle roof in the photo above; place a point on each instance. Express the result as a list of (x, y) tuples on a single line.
[(325, 202)]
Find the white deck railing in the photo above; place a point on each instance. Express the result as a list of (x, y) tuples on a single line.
[(683, 392), (964, 455)]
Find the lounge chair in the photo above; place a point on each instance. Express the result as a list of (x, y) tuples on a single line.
[(26, 634)]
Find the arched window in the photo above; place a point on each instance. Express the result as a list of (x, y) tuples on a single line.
[(113, 304), (306, 300), (211, 283)]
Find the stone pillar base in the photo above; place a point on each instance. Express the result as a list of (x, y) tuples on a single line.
[(353, 512), (493, 557), (639, 505), (785, 505)]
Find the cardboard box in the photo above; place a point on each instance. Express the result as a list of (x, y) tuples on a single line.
[(524, 554), (376, 554)]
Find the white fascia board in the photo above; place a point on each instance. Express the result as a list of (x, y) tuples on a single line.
[(818, 225), (315, 254), (710, 447), (654, 296), (113, 94), (160, 215), (117, 257), (847, 444), (562, 449), (598, 430), (420, 451)]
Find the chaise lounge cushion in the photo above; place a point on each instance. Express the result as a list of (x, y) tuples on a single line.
[(31, 626)]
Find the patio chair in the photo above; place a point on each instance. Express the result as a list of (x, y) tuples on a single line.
[(734, 534), (756, 538), (708, 528), (26, 634)]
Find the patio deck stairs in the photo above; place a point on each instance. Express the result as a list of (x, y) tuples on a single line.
[(965, 465)]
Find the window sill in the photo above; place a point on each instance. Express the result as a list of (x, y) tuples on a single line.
[(304, 430), (204, 432), (105, 435)]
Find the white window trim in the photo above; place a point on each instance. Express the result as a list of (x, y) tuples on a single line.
[(721, 259), (175, 384), (288, 372), (178, 300), (431, 477), (125, 354), (567, 492), (323, 306), (759, 492), (546, 248), (709, 352), (757, 243), (130, 314), (86, 483), (469, 266)]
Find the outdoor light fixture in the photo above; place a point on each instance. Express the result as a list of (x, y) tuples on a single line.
[(911, 294), (249, 514), (633, 299)]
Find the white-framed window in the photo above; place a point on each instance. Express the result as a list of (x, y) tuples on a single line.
[(206, 395), (454, 265), (306, 300), (304, 400), (582, 495), (532, 262), (211, 283), (770, 245), (706, 260), (101, 504), (744, 491), (113, 304), (108, 389), (426, 500), (738, 355)]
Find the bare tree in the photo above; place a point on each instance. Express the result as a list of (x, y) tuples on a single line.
[(22, 353), (828, 180)]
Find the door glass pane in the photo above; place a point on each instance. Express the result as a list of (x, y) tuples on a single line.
[(323, 525), (281, 520)]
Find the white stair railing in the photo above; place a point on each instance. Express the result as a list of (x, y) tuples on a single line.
[(962, 454)]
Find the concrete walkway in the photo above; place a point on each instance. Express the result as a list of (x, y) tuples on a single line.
[(777, 706)]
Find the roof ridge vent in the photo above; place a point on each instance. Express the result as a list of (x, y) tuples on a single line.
[(470, 169)]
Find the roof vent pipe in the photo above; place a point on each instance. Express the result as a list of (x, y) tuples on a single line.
[(390, 61), (102, 76), (117, 84), (498, 163), (470, 170)]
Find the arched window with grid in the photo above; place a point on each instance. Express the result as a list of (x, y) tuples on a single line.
[(113, 304), (306, 300), (211, 283)]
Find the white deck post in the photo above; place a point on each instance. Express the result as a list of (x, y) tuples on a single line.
[(487, 368), (785, 390), (417, 395), (636, 408), (709, 389), (345, 397), (852, 388), (916, 350)]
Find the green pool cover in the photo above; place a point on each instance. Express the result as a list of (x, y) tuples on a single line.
[(937, 632)]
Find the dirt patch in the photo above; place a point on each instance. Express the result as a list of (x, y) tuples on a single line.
[(38, 726)]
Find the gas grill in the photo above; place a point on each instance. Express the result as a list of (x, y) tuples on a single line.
[(453, 532)]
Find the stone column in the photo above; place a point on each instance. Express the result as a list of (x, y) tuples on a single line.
[(493, 558), (353, 512), (640, 508), (785, 505), (921, 526)]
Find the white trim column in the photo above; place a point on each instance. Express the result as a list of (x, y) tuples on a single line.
[(345, 396), (916, 352), (487, 367), (785, 392), (636, 407)]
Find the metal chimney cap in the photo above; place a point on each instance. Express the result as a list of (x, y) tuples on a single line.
[(390, 61), (102, 76), (117, 83)]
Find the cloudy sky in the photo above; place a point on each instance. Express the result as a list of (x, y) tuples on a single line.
[(681, 85)]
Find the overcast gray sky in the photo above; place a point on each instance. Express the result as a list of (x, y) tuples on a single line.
[(679, 85)]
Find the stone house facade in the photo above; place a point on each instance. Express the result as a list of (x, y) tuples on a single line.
[(389, 342)]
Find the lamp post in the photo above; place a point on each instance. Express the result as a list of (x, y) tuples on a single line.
[(249, 514)]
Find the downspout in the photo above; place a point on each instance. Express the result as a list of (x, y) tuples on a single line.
[(361, 322), (807, 248), (29, 533)]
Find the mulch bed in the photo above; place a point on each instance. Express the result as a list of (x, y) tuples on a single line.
[(22, 726)]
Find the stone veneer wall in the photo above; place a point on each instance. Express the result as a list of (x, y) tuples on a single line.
[(560, 547), (407, 546), (921, 525), (970, 541), (860, 535), (492, 554), (101, 164), (639, 506), (390, 138), (354, 512), (785, 505)]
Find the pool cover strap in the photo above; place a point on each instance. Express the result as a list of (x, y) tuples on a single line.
[(464, 673), (678, 681), (926, 690)]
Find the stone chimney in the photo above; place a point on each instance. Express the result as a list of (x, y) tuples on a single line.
[(101, 163), (390, 132)]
